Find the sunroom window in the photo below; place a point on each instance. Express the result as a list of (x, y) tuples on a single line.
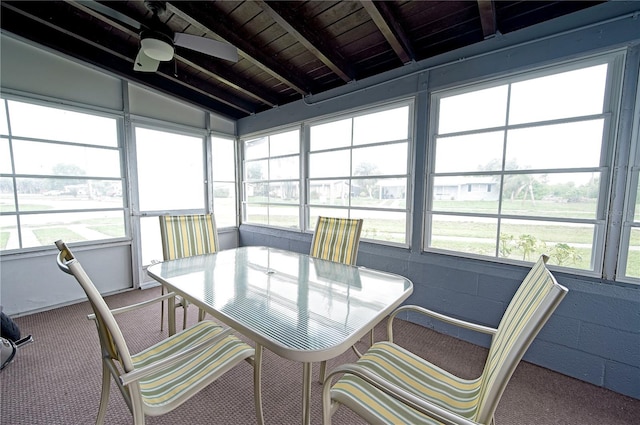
[(60, 176), (271, 181), (359, 168), (521, 166)]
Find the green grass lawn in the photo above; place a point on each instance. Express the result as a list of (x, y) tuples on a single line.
[(48, 235), (113, 230)]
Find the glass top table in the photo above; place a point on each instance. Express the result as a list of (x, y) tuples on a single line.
[(301, 308)]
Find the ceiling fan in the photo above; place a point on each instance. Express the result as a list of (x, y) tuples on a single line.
[(158, 41)]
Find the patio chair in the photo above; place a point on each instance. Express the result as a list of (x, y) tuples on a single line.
[(337, 240), (162, 377), (186, 236), (389, 384)]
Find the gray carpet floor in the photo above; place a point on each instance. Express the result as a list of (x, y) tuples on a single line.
[(56, 379)]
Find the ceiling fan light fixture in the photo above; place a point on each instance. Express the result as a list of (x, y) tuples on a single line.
[(157, 46)]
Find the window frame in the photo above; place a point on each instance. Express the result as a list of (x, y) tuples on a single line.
[(408, 176), (118, 147), (244, 182), (631, 201), (610, 115), (211, 175)]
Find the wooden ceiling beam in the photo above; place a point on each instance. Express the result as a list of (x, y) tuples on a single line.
[(209, 19), (309, 37), (487, 11), (389, 26)]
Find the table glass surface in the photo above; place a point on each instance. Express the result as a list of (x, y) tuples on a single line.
[(285, 298)]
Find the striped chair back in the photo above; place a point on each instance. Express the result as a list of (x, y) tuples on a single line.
[(337, 239), (188, 235), (530, 308)]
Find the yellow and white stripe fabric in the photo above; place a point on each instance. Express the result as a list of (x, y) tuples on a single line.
[(337, 239), (532, 295), (530, 307), (188, 235), (167, 386), (411, 373)]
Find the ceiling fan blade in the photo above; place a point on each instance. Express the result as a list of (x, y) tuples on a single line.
[(107, 11), (207, 45), (144, 63)]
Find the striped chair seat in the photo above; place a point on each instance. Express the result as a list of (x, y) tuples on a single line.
[(411, 373), (165, 387)]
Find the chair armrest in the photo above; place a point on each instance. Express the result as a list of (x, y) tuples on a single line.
[(421, 405), (137, 374), (136, 306), (439, 316)]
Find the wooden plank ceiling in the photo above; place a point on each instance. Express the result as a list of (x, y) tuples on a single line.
[(287, 49)]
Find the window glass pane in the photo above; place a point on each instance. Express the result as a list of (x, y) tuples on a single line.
[(256, 192), (61, 125), (223, 159), (473, 235), (636, 216), (151, 241), (568, 145), (566, 244), (256, 170), (380, 160), (470, 111), (284, 216), (45, 229), (4, 128), (570, 195), (330, 164), (380, 193), (52, 158), (466, 194), (284, 192), (284, 143), (35, 194), (385, 126), (316, 212), (563, 95), (224, 203), (284, 168), (382, 225), (9, 232), (474, 152), (331, 135), (256, 214), (5, 157), (329, 192), (170, 171), (633, 257), (7, 200), (256, 148)]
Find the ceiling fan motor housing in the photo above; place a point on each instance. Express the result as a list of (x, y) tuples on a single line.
[(157, 45), (157, 41)]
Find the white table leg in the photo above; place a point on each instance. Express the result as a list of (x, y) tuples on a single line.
[(306, 393), (257, 383)]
